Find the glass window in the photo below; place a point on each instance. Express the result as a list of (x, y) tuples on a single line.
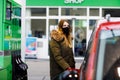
[(52, 24), (94, 12), (38, 27), (74, 11), (53, 11), (112, 12), (92, 24), (38, 11), (109, 48), (80, 37)]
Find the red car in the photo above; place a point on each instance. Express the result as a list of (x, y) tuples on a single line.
[(102, 59)]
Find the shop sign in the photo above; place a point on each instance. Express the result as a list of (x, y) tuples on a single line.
[(73, 1), (114, 3)]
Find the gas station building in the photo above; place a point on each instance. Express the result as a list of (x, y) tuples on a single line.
[(42, 16)]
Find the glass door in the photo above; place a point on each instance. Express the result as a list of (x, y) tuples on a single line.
[(79, 32)]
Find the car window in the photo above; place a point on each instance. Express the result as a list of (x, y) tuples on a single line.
[(112, 54), (108, 54)]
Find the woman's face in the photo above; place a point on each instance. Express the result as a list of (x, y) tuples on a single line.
[(65, 24), (66, 28)]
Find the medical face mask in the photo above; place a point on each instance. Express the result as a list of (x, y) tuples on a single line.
[(66, 30)]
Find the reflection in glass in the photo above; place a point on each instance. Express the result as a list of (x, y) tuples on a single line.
[(74, 11), (109, 48), (38, 11), (52, 25), (94, 12), (38, 27), (80, 37), (92, 24), (112, 12), (53, 11)]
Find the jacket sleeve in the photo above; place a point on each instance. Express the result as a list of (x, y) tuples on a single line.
[(56, 51)]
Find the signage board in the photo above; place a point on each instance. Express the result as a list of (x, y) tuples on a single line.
[(112, 3), (31, 45)]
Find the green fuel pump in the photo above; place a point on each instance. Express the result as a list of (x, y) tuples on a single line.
[(11, 65)]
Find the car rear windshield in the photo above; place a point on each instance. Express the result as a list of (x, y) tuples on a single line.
[(109, 53)]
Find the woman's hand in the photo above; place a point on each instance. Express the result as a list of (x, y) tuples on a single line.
[(69, 68)]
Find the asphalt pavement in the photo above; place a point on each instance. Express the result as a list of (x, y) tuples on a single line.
[(38, 69)]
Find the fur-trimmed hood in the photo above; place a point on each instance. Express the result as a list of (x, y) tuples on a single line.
[(56, 35)]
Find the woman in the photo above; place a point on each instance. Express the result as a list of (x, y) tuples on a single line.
[(61, 54)]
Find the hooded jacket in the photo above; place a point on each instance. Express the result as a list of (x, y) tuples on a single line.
[(61, 54)]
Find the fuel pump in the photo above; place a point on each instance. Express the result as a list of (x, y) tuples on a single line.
[(11, 65)]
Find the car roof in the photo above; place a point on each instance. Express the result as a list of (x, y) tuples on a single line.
[(103, 20), (103, 24)]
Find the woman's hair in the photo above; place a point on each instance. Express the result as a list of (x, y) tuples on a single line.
[(60, 24)]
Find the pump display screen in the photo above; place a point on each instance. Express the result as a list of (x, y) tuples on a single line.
[(8, 11)]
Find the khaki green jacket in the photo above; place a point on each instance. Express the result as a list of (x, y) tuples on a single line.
[(61, 56)]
